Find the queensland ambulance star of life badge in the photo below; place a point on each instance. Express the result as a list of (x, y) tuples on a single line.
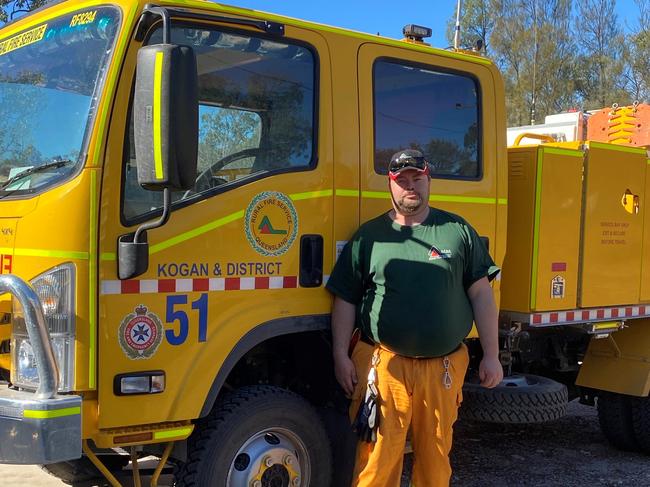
[(140, 334)]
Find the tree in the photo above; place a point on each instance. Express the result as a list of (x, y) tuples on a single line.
[(532, 45), (477, 23), (637, 56), (601, 40), (9, 8)]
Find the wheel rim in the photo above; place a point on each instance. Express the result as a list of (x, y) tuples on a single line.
[(274, 457)]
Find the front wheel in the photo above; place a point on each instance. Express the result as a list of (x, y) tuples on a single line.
[(258, 436)]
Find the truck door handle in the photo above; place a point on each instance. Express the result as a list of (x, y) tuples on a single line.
[(311, 260)]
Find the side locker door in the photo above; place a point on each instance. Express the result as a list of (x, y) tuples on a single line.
[(432, 103), (244, 247)]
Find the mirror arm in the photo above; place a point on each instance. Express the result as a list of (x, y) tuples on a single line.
[(164, 14), (167, 205)]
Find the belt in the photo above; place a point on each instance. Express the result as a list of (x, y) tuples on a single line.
[(366, 339)]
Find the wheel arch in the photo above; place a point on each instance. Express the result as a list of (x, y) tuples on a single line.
[(256, 336)]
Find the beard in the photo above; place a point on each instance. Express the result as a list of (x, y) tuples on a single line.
[(409, 206)]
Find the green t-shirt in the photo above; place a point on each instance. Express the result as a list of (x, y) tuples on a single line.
[(409, 282)]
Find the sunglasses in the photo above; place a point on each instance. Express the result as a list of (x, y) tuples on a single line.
[(408, 162)]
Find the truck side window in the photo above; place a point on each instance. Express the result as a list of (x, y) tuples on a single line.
[(435, 112), (257, 110)]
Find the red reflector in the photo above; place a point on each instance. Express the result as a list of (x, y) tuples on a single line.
[(558, 266)]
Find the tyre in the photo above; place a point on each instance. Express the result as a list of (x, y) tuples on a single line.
[(258, 436), (518, 399), (640, 407), (615, 418), (344, 445)]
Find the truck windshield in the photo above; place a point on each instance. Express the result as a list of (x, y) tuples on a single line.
[(49, 78)]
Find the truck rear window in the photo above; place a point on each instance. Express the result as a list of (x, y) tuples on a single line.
[(433, 111)]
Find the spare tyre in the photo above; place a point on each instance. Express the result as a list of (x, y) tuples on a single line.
[(518, 399)]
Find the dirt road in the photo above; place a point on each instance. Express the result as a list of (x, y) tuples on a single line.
[(569, 452)]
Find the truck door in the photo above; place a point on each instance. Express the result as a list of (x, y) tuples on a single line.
[(444, 107), (241, 247)]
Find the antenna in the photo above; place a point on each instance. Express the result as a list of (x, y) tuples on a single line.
[(457, 29)]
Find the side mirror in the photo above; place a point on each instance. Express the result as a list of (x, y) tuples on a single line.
[(166, 117), (166, 120)]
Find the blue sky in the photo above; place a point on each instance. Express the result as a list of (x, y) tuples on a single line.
[(387, 18)]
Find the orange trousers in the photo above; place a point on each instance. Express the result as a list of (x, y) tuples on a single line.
[(412, 395)]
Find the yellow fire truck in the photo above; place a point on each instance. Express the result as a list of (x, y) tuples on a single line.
[(176, 182)]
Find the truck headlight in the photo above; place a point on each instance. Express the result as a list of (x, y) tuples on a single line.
[(55, 289)]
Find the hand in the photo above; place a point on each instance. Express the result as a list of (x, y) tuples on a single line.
[(490, 372), (346, 373)]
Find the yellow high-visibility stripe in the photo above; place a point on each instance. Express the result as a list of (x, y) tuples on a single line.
[(383, 195), (563, 152), (348, 192), (620, 148), (157, 119), (62, 254), (536, 224), (111, 256), (92, 279), (311, 195), (51, 413), (197, 231), (463, 199), (178, 432)]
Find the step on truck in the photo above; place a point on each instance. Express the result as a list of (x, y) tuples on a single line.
[(176, 182)]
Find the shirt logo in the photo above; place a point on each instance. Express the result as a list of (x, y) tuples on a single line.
[(435, 254)]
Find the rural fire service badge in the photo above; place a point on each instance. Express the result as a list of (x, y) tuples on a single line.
[(271, 223), (140, 334)]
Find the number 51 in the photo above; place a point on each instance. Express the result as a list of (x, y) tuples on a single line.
[(180, 315)]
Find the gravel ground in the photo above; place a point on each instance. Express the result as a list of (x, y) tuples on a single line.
[(565, 453)]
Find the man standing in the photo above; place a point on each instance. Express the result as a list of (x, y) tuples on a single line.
[(411, 281)]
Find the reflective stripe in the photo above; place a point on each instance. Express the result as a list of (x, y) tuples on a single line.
[(620, 148), (564, 152), (538, 202), (92, 280), (311, 195), (384, 195), (348, 192), (51, 413), (62, 254), (446, 198), (161, 435), (111, 256), (197, 231), (157, 119), (463, 199)]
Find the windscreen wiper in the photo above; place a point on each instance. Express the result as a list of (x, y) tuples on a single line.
[(54, 164)]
